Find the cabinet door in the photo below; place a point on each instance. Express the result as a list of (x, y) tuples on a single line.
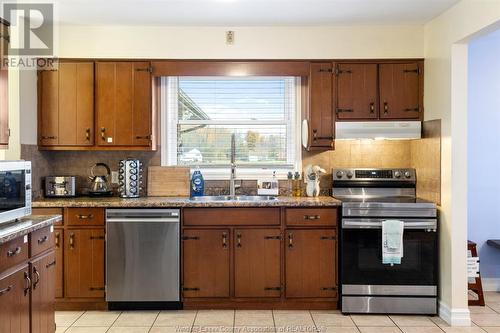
[(400, 91), (84, 262), (311, 263), (76, 104), (48, 121), (4, 88), (15, 302), (356, 91), (206, 263), (43, 293), (123, 103), (321, 116), (59, 266), (257, 263)]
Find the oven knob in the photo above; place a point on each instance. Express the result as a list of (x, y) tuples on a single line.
[(407, 174), (65, 191), (340, 174), (397, 174), (349, 174), (52, 192)]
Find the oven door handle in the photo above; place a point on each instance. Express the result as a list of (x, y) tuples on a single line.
[(430, 224)]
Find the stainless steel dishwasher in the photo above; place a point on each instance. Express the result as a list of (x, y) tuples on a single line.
[(143, 258)]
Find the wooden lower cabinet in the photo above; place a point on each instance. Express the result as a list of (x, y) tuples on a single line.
[(42, 272), (206, 254), (15, 302), (311, 263), (84, 262), (257, 263)]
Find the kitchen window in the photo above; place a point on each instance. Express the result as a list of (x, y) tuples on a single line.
[(200, 114)]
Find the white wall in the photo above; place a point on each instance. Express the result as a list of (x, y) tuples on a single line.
[(483, 153), (446, 99)]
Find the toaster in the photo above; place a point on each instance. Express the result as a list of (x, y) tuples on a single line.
[(130, 178), (60, 186)]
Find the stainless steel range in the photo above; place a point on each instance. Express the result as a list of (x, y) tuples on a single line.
[(370, 196)]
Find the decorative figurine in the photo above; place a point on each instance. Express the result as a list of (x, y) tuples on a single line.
[(312, 174)]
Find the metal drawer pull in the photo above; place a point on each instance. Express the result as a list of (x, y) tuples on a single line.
[(328, 238), (143, 137), (37, 274), (272, 289), (49, 137), (87, 134), (97, 237), (5, 291), (43, 239), (290, 240), (103, 133), (72, 241), (338, 110), (85, 217), (316, 137), (58, 239), (417, 109), (238, 240), (372, 107), (386, 108), (224, 240), (416, 71), (329, 288), (190, 289), (12, 253), (50, 264), (273, 237), (312, 217), (96, 289), (190, 238), (28, 286)]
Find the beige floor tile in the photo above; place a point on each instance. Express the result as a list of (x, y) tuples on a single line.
[(325, 311), (438, 321), (176, 318), (491, 329), (408, 321), (334, 329), (86, 330), (471, 329), (486, 319), (415, 329), (301, 321), (495, 306), (372, 320), (255, 318), (136, 318), (116, 329), (214, 320), (166, 329), (67, 318), (380, 329), (481, 309), (492, 296), (97, 318), (61, 329), (337, 320)]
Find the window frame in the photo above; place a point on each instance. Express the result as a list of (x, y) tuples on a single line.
[(169, 122)]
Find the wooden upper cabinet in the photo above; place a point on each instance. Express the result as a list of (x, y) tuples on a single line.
[(257, 263), (4, 88), (356, 91), (66, 97), (321, 117), (206, 254), (401, 90), (123, 103)]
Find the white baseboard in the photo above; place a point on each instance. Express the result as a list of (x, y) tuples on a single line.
[(491, 284), (454, 317)]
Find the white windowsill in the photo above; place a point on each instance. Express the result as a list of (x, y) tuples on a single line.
[(243, 173)]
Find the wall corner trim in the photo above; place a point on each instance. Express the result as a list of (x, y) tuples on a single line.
[(454, 317)]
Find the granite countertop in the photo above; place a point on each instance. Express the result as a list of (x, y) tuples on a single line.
[(115, 202), (26, 225)]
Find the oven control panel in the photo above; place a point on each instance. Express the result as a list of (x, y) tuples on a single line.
[(374, 174)]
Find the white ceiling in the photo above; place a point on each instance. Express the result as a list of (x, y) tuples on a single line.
[(249, 12)]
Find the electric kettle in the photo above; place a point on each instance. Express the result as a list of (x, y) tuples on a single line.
[(99, 183)]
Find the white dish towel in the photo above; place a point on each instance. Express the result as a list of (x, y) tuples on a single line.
[(392, 241)]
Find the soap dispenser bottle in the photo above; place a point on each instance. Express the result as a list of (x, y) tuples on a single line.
[(197, 184)]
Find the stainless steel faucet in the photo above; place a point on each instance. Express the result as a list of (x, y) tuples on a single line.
[(232, 177)]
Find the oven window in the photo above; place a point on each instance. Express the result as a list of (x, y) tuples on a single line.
[(12, 190), (362, 259)]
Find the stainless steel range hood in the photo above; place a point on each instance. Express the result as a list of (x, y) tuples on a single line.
[(378, 130)]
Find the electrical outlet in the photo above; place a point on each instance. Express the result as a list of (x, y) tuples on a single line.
[(114, 177), (229, 37)]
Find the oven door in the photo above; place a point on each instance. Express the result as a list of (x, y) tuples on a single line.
[(362, 271)]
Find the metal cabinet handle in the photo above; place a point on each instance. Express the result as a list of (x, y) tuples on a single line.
[(50, 264), (238, 240), (224, 240), (103, 133), (372, 107), (87, 134), (417, 109), (316, 137), (386, 108), (12, 253), (139, 137), (37, 275), (72, 241), (6, 290), (290, 240), (43, 239), (312, 217), (58, 239), (28, 285), (49, 137), (85, 217)]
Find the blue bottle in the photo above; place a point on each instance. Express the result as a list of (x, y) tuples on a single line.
[(197, 184)]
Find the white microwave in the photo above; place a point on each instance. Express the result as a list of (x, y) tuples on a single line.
[(15, 190)]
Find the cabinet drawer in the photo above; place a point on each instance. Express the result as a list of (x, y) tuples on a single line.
[(231, 216), (311, 216), (84, 216), (49, 211), (13, 252), (41, 240)]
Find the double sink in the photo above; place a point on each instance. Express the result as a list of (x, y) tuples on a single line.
[(209, 198)]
